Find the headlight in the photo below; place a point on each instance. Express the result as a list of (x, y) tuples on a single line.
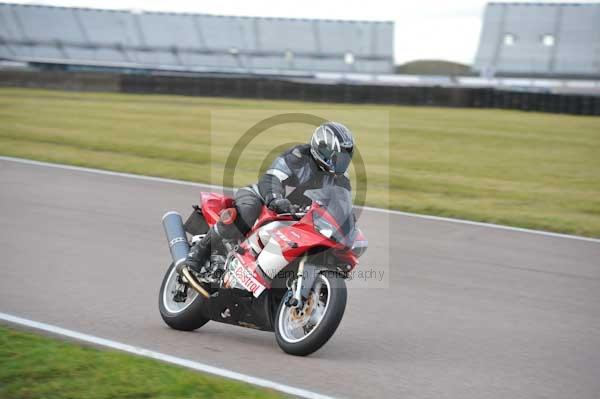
[(323, 226), (326, 232), (326, 229)]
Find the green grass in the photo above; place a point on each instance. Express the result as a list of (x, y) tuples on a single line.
[(32, 366), (529, 170)]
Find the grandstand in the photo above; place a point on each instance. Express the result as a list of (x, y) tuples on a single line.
[(540, 39), (192, 42), (531, 56)]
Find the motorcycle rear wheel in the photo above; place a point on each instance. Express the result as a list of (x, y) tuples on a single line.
[(302, 332), (183, 316)]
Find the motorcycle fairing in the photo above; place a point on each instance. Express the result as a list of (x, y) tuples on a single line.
[(213, 204), (259, 262), (238, 307), (243, 272), (288, 243), (266, 215)]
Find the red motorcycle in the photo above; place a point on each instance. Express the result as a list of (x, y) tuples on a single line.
[(287, 275)]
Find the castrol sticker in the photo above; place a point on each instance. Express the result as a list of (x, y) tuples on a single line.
[(246, 279)]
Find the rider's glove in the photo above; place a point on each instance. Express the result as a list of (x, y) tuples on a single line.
[(281, 205)]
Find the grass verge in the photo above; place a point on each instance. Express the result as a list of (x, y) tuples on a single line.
[(33, 366), (531, 170)]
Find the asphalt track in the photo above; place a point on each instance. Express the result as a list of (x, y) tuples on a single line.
[(470, 311)]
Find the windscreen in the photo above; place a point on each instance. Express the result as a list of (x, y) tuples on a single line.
[(337, 201)]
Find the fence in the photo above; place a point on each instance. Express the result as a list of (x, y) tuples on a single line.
[(271, 88)]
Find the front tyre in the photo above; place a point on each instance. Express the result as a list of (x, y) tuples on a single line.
[(179, 314), (303, 331)]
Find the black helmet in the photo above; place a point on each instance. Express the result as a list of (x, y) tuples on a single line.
[(332, 146)]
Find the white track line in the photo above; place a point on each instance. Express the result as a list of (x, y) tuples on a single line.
[(163, 357), (215, 187)]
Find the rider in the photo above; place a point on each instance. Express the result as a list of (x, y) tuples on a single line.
[(303, 167)]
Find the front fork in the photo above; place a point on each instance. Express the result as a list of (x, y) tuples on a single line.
[(305, 279), (296, 299)]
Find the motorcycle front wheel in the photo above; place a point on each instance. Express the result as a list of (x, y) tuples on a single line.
[(303, 331), (178, 313)]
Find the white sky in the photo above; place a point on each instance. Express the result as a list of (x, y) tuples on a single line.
[(424, 29)]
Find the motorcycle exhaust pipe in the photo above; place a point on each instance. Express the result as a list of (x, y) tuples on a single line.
[(178, 244), (179, 247), (194, 283)]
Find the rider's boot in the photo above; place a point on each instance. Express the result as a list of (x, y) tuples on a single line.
[(224, 228), (201, 251)]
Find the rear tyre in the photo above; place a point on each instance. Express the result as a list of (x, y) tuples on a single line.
[(183, 316), (302, 332)]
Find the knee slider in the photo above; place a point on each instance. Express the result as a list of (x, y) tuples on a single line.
[(226, 227), (228, 216)]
